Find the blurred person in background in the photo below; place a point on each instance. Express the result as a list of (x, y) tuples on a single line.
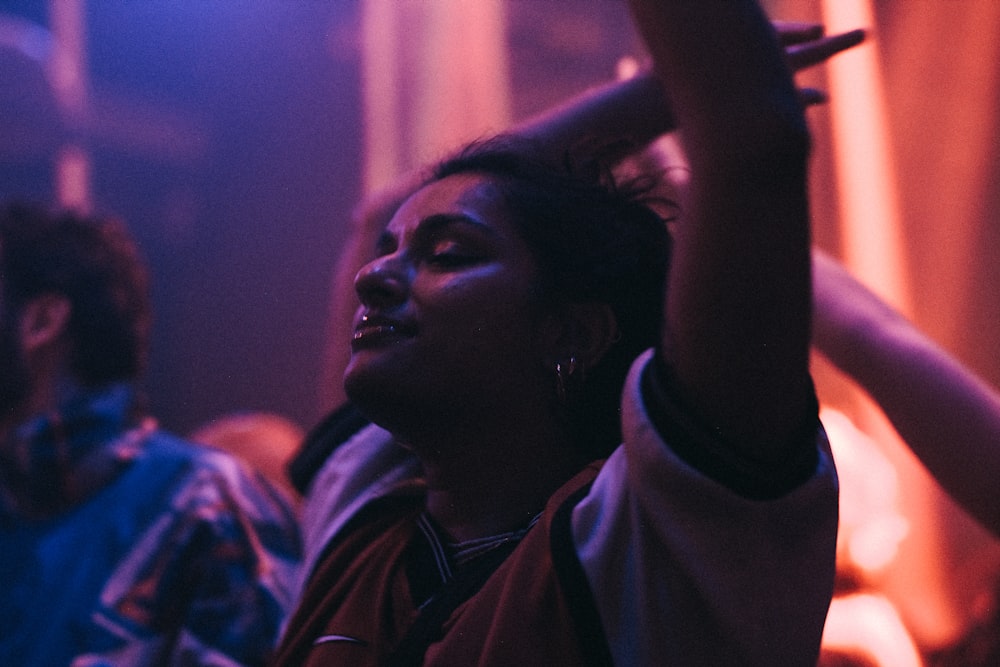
[(120, 544), (265, 440)]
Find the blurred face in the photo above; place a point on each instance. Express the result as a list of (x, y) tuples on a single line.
[(449, 315)]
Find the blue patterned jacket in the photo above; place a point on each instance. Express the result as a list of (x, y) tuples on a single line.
[(121, 544)]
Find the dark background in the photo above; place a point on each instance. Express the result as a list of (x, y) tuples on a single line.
[(238, 211), (228, 136)]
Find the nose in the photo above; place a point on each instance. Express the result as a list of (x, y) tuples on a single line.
[(382, 282)]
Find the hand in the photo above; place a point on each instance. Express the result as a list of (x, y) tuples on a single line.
[(805, 46)]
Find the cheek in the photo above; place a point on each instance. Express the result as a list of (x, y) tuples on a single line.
[(496, 314), (479, 294)]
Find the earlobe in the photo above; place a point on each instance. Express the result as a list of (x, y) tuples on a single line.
[(43, 320), (598, 332), (584, 332)]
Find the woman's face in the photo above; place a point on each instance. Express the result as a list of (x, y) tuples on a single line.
[(449, 313)]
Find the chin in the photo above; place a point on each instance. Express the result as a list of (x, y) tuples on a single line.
[(371, 391), (389, 401), (363, 378)]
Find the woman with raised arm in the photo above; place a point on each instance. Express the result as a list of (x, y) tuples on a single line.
[(632, 113), (501, 511)]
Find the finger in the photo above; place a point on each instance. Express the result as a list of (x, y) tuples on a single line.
[(806, 55), (812, 96), (794, 32)]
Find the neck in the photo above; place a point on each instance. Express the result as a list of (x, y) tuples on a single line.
[(51, 392), (483, 482), (48, 393)]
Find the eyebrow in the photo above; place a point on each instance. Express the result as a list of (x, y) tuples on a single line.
[(438, 221)]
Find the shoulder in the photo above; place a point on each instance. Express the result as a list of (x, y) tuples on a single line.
[(660, 424), (657, 519), (365, 466), (207, 485), (332, 431)]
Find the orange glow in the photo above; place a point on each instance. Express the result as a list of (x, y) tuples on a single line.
[(869, 625), (462, 77), (68, 73), (379, 83), (434, 76), (72, 171), (870, 226), (911, 202), (871, 522)]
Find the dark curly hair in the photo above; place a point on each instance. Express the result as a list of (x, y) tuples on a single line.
[(95, 264), (594, 239)]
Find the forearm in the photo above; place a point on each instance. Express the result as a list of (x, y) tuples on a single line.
[(634, 110), (945, 414), (738, 295), (948, 417), (725, 72)]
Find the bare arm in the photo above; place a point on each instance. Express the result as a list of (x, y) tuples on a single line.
[(949, 417), (635, 110), (738, 298)]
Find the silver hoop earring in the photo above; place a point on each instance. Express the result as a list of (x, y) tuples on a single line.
[(564, 371)]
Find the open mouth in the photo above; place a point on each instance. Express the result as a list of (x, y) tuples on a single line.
[(372, 332)]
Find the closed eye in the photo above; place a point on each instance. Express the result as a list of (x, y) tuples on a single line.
[(453, 259), (449, 252)]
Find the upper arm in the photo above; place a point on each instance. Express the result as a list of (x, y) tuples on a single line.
[(737, 302)]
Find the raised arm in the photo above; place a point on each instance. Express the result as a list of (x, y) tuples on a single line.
[(949, 417), (738, 299), (634, 110)]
